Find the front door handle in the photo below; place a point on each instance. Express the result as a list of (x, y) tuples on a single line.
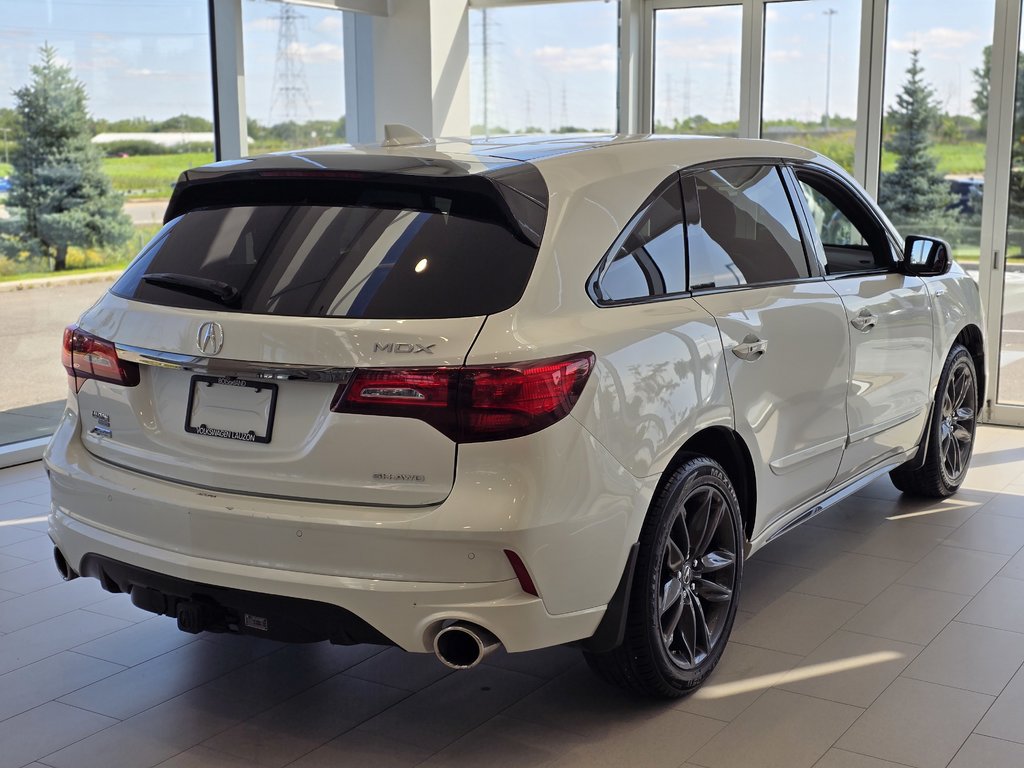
[(751, 348), (864, 321)]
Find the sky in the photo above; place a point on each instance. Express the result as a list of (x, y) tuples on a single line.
[(151, 58), (547, 65)]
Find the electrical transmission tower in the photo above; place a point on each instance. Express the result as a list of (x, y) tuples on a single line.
[(289, 94)]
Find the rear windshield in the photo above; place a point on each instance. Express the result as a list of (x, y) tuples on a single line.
[(337, 261)]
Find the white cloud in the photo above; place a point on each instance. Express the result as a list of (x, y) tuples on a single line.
[(330, 23), (316, 53), (936, 39), (691, 18), (784, 55), (702, 51), (145, 72), (267, 24), (596, 58)]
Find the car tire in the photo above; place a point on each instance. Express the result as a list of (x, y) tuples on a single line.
[(952, 429), (685, 588)]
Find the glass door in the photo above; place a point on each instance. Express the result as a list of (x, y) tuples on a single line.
[(1003, 265)]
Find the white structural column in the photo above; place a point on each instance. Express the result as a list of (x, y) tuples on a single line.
[(751, 67), (228, 79), (632, 59), (870, 94), (412, 67)]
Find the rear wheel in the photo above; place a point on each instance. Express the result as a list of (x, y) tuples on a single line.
[(685, 588), (951, 440)]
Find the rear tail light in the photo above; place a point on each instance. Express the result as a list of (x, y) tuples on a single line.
[(474, 403), (89, 357)]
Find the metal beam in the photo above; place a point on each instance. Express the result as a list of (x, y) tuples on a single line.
[(228, 63)]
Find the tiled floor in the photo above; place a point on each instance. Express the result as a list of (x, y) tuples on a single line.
[(885, 633)]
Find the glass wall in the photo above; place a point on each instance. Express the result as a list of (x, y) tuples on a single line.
[(135, 79), (544, 68), (697, 70), (294, 75), (933, 131), (811, 71), (1010, 345)]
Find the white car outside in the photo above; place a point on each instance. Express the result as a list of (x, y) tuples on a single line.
[(522, 392)]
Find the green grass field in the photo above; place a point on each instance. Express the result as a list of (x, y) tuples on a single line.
[(964, 159), (151, 175)]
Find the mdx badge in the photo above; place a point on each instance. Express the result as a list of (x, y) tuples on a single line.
[(210, 338), (403, 348)]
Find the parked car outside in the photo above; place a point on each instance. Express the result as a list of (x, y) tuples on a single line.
[(518, 392)]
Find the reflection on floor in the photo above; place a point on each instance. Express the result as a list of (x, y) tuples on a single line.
[(30, 422), (885, 633)]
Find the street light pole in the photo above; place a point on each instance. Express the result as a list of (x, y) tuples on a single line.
[(828, 65)]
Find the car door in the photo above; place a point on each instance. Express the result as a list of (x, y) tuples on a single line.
[(783, 329), (889, 322)]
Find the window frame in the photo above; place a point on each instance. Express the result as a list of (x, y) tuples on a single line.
[(858, 198), (815, 272), (599, 271)]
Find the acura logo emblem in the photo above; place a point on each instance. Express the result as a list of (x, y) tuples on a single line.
[(210, 338)]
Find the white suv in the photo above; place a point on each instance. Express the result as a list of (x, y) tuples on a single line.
[(446, 396)]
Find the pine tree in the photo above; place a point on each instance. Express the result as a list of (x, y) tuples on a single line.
[(60, 195), (915, 192)]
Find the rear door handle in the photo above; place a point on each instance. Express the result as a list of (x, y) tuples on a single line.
[(751, 348), (864, 321)]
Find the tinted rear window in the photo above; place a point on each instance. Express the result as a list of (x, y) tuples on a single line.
[(340, 261)]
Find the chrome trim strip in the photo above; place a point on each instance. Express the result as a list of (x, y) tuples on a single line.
[(874, 429), (794, 460), (824, 501), (241, 368)]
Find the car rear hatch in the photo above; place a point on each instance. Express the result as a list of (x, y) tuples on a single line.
[(215, 359)]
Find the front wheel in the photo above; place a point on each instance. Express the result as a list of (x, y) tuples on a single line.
[(685, 589), (951, 439)]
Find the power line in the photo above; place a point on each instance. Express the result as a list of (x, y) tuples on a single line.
[(289, 85)]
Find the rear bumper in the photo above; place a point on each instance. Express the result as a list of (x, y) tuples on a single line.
[(401, 571)]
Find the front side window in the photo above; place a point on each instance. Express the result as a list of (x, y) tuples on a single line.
[(852, 239), (648, 258), (741, 229)]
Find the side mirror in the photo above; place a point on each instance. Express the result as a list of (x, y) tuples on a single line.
[(925, 256)]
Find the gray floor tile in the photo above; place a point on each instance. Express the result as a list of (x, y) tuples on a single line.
[(1014, 569), (20, 513), (796, 623), (904, 540), (139, 642), (120, 607), (1008, 504), (840, 758), (34, 470), (306, 721), (916, 723), (26, 646), (29, 686), (850, 668), (1000, 604), (951, 512), (202, 757), (38, 732), (34, 548), (30, 577), (971, 657), (395, 667), (765, 582), (47, 603), (547, 663), (470, 699), (987, 533), (744, 673), (779, 730), (22, 490), (810, 546), (854, 578), (359, 749), (909, 614), (506, 742), (13, 534), (986, 752), (952, 569), (1004, 718), (143, 686)]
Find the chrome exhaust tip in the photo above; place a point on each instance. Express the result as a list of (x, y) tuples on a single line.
[(65, 570), (463, 645)]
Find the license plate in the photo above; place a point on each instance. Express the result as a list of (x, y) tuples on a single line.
[(233, 409)]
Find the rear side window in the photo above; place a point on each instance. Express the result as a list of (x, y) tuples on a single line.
[(648, 259), (338, 261), (741, 229)]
